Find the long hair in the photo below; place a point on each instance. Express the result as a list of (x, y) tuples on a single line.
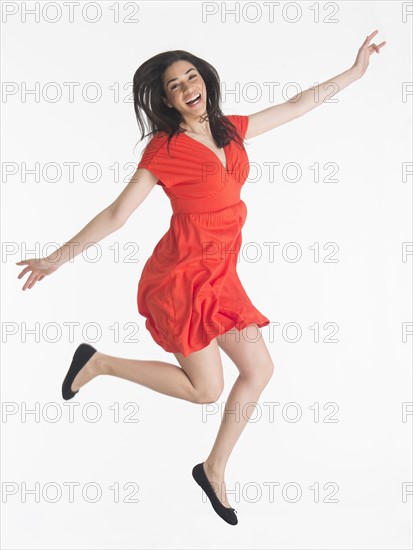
[(148, 92)]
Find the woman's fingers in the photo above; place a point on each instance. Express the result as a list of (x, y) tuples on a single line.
[(372, 35), (33, 277), (376, 47), (372, 47), (25, 270), (37, 268), (31, 281), (369, 37), (23, 273)]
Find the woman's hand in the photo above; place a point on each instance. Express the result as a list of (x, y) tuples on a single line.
[(40, 267), (364, 53)]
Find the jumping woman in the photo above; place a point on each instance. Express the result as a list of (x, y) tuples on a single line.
[(189, 291)]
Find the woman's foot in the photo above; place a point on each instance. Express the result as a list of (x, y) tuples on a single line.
[(89, 371), (82, 369), (216, 479), (212, 489)]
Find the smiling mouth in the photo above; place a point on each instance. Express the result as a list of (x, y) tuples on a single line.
[(194, 101)]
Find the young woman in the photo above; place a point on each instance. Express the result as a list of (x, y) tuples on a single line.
[(189, 291)]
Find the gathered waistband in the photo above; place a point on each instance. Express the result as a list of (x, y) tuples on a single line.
[(226, 213)]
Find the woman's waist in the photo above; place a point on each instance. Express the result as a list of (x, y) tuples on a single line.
[(206, 207)]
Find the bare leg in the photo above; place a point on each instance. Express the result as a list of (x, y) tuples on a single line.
[(160, 376), (256, 368)]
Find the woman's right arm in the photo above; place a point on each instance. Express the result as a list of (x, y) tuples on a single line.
[(103, 224)]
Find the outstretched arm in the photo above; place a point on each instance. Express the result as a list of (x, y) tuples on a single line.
[(303, 102), (109, 220), (99, 227)]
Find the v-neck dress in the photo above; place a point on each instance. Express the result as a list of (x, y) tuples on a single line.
[(189, 290)]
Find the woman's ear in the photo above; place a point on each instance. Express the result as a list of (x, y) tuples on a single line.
[(166, 101)]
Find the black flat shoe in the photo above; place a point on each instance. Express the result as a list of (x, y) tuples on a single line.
[(81, 356), (227, 514)]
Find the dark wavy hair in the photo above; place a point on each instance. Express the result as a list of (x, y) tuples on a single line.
[(148, 91)]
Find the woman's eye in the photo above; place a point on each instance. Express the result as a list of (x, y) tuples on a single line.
[(175, 85)]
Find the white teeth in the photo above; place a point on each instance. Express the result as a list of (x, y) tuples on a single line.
[(195, 97)]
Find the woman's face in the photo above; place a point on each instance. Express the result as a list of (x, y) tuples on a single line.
[(182, 82)]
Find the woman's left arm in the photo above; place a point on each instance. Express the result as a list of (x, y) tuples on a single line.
[(305, 101)]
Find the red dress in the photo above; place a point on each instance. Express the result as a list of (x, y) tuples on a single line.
[(189, 290)]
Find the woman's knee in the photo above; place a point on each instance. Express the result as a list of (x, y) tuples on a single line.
[(209, 394), (205, 372), (260, 373), (269, 369)]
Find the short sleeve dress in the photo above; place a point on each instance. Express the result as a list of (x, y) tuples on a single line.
[(189, 290)]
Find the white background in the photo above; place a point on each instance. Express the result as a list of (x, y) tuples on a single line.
[(365, 293)]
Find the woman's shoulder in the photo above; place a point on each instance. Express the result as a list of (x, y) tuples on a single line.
[(156, 150), (240, 122), (156, 140)]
